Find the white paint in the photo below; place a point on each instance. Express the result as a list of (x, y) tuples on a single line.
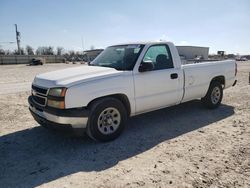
[(145, 91)]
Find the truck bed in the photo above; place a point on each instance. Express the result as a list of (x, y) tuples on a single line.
[(196, 76)]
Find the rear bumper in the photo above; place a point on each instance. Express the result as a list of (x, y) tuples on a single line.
[(59, 119)]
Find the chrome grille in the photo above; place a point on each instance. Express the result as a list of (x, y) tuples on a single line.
[(39, 95), (40, 90)]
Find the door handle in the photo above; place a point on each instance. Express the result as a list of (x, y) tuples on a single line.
[(174, 76)]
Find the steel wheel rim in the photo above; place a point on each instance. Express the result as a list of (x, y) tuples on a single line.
[(109, 120), (215, 95)]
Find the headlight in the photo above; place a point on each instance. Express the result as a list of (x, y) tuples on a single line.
[(56, 104), (56, 98), (57, 92)]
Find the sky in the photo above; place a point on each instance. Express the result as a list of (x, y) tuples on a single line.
[(80, 24)]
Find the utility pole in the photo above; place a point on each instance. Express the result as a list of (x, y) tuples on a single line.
[(18, 37)]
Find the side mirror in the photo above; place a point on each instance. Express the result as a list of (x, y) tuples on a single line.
[(146, 66)]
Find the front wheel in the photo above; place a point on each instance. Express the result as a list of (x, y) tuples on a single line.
[(214, 95), (107, 119)]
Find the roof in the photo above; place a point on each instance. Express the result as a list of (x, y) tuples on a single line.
[(193, 46), (142, 42)]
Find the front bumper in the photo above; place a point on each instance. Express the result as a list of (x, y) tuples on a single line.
[(57, 118)]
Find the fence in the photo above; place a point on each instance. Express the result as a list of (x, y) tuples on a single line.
[(25, 59)]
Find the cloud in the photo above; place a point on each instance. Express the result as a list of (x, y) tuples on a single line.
[(76, 48), (183, 42)]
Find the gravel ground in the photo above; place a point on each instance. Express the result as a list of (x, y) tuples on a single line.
[(181, 146)]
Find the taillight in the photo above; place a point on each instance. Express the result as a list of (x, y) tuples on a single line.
[(236, 69)]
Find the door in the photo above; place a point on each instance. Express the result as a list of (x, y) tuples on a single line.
[(161, 86)]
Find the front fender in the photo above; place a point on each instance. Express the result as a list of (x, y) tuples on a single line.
[(81, 95)]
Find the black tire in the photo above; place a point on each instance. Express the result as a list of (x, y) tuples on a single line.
[(96, 109), (210, 101)]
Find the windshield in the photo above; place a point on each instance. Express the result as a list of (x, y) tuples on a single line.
[(121, 57)]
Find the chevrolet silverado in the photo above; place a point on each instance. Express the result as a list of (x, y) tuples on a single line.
[(125, 80)]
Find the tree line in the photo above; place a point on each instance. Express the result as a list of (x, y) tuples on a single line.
[(42, 50), (49, 50)]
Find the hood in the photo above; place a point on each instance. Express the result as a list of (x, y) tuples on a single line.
[(70, 76)]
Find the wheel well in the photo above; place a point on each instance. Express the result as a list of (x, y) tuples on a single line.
[(220, 79), (121, 97)]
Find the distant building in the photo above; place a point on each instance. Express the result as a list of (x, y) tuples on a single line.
[(231, 56), (221, 53), (192, 52), (90, 55)]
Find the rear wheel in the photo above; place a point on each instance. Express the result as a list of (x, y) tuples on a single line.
[(107, 119), (214, 95)]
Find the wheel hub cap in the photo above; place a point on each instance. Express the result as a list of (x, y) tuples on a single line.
[(109, 120), (215, 95)]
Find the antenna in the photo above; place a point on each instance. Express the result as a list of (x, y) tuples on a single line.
[(18, 37), (82, 45)]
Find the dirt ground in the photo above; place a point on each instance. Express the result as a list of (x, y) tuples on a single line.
[(181, 146)]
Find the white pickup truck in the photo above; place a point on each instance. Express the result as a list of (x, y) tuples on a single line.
[(123, 81)]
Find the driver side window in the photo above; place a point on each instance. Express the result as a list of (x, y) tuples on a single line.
[(160, 56)]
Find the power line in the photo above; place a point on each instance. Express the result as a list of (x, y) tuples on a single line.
[(7, 42)]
